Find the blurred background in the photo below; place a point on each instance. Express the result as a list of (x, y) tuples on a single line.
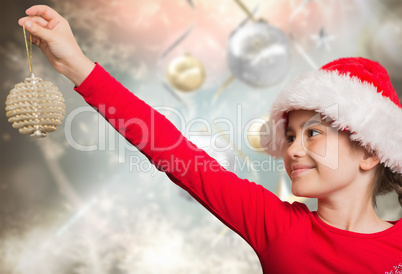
[(82, 200)]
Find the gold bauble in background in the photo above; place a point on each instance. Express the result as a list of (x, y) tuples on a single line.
[(35, 107), (185, 73), (254, 133)]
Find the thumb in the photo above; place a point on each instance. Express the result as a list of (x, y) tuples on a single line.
[(38, 31)]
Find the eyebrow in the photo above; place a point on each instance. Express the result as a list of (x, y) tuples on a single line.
[(307, 123)]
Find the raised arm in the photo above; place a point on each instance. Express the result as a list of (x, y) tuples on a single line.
[(249, 209)]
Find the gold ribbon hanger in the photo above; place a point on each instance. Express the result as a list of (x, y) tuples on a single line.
[(29, 49)]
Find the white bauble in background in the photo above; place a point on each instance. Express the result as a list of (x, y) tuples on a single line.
[(259, 54)]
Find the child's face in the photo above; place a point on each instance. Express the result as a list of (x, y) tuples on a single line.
[(320, 160)]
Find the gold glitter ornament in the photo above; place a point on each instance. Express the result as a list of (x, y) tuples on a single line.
[(35, 106), (185, 73)]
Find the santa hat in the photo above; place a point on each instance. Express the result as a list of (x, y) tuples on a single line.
[(357, 95)]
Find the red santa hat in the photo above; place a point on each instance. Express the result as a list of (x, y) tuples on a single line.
[(357, 95)]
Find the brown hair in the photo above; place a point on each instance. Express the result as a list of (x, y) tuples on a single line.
[(387, 181)]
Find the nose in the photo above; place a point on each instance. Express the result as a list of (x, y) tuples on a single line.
[(296, 149)]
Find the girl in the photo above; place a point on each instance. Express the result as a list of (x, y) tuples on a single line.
[(336, 128)]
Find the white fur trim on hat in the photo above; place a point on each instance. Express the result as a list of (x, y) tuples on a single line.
[(373, 120)]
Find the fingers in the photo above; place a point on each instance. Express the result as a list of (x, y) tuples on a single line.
[(38, 20), (43, 11), (36, 29)]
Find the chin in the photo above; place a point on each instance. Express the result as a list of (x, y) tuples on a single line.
[(298, 192)]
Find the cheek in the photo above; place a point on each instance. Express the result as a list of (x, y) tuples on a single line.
[(326, 156), (318, 148)]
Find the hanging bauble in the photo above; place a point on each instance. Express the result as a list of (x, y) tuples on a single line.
[(185, 73), (35, 107), (259, 54), (386, 46), (255, 131)]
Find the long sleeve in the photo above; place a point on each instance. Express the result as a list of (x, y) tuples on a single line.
[(287, 238), (238, 203)]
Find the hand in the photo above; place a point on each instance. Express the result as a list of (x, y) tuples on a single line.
[(53, 35)]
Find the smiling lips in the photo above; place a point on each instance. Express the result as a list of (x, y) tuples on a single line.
[(300, 168)]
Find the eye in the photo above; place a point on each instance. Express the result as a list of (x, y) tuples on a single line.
[(290, 138), (313, 132)]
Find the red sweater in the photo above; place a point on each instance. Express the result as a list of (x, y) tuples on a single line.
[(287, 238)]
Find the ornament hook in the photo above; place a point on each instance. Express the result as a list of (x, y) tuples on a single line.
[(29, 50)]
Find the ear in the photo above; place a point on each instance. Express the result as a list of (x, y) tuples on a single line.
[(369, 161)]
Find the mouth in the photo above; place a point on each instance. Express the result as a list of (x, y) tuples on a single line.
[(298, 169)]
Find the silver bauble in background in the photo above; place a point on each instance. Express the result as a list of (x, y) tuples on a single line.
[(259, 54)]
